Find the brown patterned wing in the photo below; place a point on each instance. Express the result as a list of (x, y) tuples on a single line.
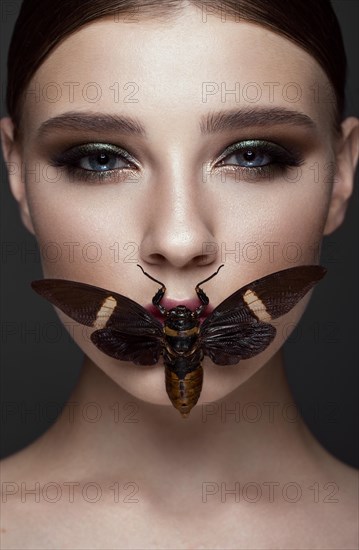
[(125, 329), (239, 327), (128, 347)]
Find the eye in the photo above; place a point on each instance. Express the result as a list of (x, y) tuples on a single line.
[(259, 158), (95, 161), (252, 157), (100, 161)]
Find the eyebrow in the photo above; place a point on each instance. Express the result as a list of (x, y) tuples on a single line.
[(96, 122), (211, 123), (223, 121)]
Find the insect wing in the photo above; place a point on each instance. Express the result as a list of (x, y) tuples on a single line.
[(125, 329), (238, 328), (127, 347), (237, 339), (273, 295)]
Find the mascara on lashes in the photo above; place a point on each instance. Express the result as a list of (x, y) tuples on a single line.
[(68, 158), (88, 149), (278, 153), (279, 159)]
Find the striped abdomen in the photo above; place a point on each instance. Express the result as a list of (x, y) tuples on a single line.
[(184, 392)]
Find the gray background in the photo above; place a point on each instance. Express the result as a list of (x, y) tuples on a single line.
[(40, 364)]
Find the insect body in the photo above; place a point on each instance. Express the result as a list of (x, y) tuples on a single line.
[(237, 329), (182, 359)]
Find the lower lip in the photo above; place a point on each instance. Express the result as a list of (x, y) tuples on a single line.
[(158, 315)]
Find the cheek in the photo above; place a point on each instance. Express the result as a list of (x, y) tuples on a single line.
[(82, 232), (275, 227)]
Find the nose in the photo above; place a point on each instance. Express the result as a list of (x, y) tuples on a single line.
[(180, 226)]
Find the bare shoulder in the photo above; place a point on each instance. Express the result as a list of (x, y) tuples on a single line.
[(17, 472), (330, 508), (23, 465), (343, 477), (13, 475), (334, 511), (28, 482), (315, 507)]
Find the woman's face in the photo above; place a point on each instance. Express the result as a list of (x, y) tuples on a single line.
[(178, 200)]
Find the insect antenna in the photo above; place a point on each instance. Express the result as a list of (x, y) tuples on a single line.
[(149, 276), (210, 277)]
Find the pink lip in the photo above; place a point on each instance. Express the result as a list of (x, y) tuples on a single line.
[(170, 304)]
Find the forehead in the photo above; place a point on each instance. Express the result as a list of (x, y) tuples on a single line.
[(178, 69)]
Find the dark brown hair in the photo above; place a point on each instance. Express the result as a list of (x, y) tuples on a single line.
[(41, 25)]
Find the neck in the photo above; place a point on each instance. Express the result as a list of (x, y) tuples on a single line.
[(241, 437)]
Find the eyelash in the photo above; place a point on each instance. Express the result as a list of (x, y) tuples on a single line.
[(71, 156), (280, 160)]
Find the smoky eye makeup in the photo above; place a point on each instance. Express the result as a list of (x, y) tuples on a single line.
[(250, 159), (94, 161), (259, 159)]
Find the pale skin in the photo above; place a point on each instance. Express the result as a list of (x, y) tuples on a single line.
[(169, 209)]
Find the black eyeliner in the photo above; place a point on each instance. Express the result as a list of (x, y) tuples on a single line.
[(79, 151), (68, 158), (280, 153), (281, 159)]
